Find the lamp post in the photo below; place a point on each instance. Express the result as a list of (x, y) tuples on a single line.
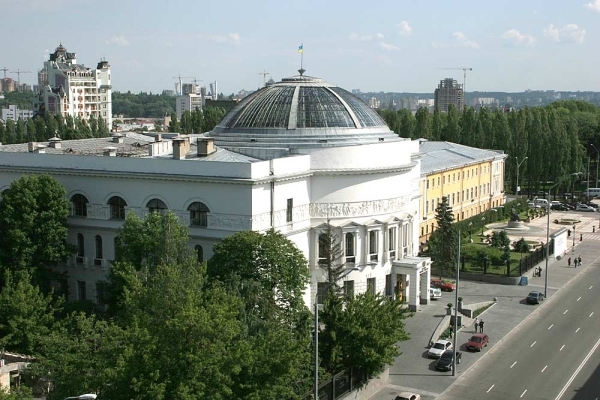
[(482, 225), (518, 165), (456, 305), (345, 274), (597, 161)]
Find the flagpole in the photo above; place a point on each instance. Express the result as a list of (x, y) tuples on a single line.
[(302, 56)]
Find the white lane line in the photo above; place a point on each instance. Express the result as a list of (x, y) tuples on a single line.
[(533, 344), (566, 311), (579, 298), (564, 389), (577, 330), (544, 368), (523, 394), (513, 364), (563, 346), (550, 327), (591, 314), (591, 287), (490, 389)]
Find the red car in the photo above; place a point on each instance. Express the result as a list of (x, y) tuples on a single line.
[(443, 286), (478, 341)]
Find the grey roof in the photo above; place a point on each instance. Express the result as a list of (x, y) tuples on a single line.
[(301, 112), (439, 156)]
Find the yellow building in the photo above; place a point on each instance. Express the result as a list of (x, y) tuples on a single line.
[(472, 179)]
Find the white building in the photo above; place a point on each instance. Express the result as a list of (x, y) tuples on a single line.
[(73, 89), (292, 156), (13, 112), (187, 102)]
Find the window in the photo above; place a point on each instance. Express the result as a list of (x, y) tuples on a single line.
[(388, 285), (80, 248), (443, 179), (288, 210), (427, 183), (81, 290), (371, 286), (99, 252), (349, 288), (198, 214), (438, 181), (79, 205), (392, 240), (322, 292), (350, 255), (199, 253), (117, 207), (323, 246), (426, 207), (156, 205), (452, 198), (373, 246), (453, 177), (471, 193), (423, 230), (432, 205)]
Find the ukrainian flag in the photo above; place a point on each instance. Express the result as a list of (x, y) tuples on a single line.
[(300, 48)]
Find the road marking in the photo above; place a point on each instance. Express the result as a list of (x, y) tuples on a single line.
[(490, 389), (533, 344), (591, 287), (523, 394), (579, 298), (566, 311), (591, 314), (577, 330), (564, 389), (544, 368), (550, 327), (563, 346), (513, 364)]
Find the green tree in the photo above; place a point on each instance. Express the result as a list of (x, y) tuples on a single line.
[(40, 129), (423, 126), (499, 240), (331, 257), (521, 246), (443, 241), (174, 124), (31, 131), (93, 123), (212, 116), (20, 131), (33, 223), (186, 123)]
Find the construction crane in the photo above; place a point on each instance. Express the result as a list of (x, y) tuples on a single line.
[(19, 72), (5, 71), (264, 74), (179, 78), (464, 69)]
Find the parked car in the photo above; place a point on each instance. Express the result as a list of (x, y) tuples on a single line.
[(593, 205), (435, 293), (444, 363), (443, 286), (559, 207), (438, 348), (585, 208), (478, 341), (535, 297), (533, 205), (408, 396)]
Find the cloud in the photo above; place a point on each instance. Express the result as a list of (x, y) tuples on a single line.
[(518, 38), (230, 38), (388, 47), (118, 41), (406, 30), (568, 33), (365, 38), (594, 6), (439, 45), (460, 39)]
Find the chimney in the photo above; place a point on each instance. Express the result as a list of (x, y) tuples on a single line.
[(205, 146), (117, 138), (181, 145), (31, 146), (54, 142), (39, 149), (158, 137), (110, 151)]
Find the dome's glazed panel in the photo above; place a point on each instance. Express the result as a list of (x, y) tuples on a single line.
[(365, 114), (270, 109), (319, 108)]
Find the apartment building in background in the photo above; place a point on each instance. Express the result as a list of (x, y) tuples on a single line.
[(449, 92)]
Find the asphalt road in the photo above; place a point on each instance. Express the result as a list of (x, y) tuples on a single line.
[(554, 354)]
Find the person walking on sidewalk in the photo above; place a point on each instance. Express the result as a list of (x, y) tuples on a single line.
[(569, 262), (476, 323), (579, 260), (481, 326)]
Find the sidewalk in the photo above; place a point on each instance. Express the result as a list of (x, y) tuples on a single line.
[(414, 371)]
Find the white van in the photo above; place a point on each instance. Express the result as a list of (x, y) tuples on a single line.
[(593, 192), (541, 202), (435, 293)]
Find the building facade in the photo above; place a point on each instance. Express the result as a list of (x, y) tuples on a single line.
[(472, 179), (187, 102), (295, 156), (13, 112), (449, 92), (68, 88)]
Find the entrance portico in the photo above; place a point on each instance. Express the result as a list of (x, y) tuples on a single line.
[(412, 276)]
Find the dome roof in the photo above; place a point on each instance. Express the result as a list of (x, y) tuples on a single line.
[(301, 112)]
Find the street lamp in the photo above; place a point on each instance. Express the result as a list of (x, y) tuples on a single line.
[(345, 274), (482, 225), (518, 165), (597, 161)]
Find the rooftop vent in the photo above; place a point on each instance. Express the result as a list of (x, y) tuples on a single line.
[(54, 142), (158, 137), (39, 149), (205, 146), (181, 145), (110, 151), (118, 138)]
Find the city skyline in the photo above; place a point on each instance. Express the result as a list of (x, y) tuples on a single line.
[(389, 46)]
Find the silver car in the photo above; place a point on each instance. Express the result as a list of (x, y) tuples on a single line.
[(439, 348)]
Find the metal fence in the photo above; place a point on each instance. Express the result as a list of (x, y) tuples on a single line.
[(534, 258), (338, 386)]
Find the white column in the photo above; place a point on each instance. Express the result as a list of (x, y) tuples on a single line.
[(414, 297)]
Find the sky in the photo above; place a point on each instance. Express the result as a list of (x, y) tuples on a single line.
[(390, 46)]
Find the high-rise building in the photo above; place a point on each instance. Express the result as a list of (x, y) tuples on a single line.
[(13, 112), (187, 102), (8, 85), (448, 92), (69, 88)]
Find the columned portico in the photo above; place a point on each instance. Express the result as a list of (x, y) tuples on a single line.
[(416, 275)]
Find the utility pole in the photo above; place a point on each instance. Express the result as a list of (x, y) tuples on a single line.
[(264, 74), (597, 161)]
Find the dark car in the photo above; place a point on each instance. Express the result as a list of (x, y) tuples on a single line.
[(593, 205), (559, 207), (444, 363), (478, 341), (535, 297)]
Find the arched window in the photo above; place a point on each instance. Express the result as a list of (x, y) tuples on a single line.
[(117, 207), (198, 214), (199, 253), (99, 252), (79, 205), (156, 205)]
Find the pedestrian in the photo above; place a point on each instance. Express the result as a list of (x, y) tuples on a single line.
[(579, 261), (476, 323), (569, 262), (575, 262), (481, 326), (540, 271)]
